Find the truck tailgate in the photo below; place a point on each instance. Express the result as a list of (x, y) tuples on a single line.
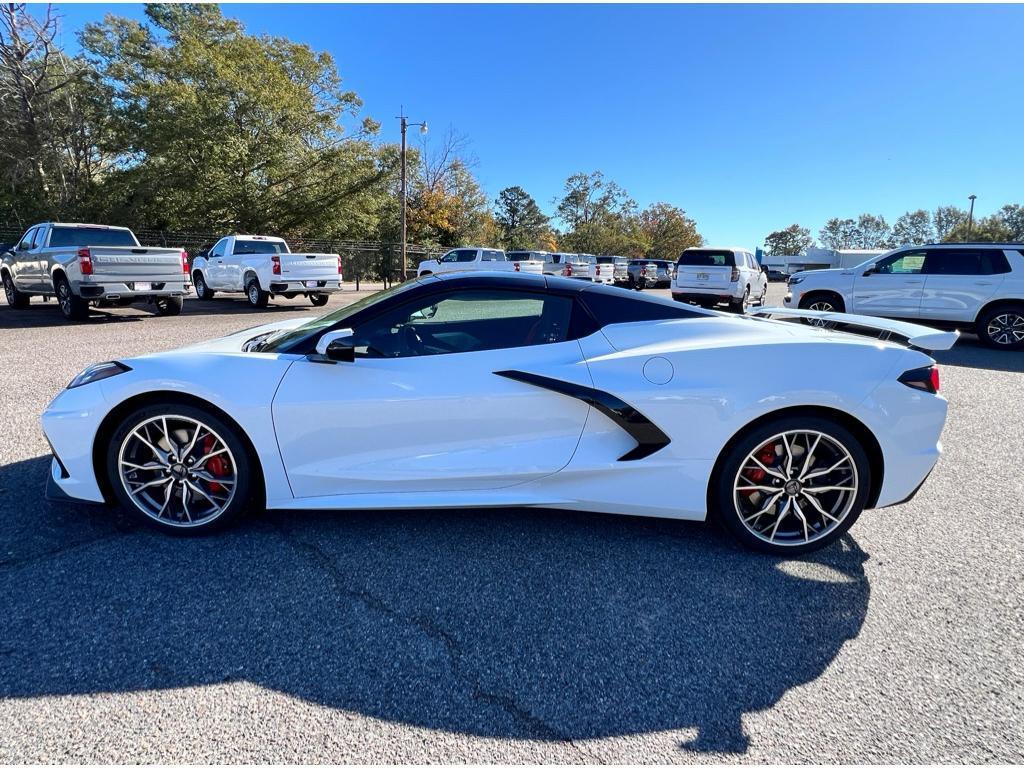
[(309, 266), (124, 265)]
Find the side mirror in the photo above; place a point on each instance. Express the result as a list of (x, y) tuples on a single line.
[(868, 272), (337, 346)]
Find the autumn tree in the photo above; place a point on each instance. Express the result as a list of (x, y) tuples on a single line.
[(667, 231)]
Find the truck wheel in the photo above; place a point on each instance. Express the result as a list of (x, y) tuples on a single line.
[(15, 298), (318, 299), (73, 307), (169, 306), (203, 291), (257, 297)]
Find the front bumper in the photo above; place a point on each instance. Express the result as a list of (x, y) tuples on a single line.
[(70, 423), (788, 300)]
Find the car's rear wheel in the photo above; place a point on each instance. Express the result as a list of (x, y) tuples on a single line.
[(15, 298), (179, 468), (256, 296), (1002, 327), (318, 299), (203, 291), (73, 307), (740, 305), (169, 306), (792, 485)]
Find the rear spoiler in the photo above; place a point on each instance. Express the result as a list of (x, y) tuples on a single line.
[(917, 336)]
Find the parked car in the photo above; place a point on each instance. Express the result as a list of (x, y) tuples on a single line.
[(577, 266), (650, 273), (610, 270), (264, 267), (512, 390), (976, 286), (776, 275), (710, 276), (467, 260), (84, 264), (554, 263), (528, 261)]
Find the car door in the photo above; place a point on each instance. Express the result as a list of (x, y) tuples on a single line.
[(448, 262), (422, 408), (216, 270), (958, 281), (892, 286), (25, 267)]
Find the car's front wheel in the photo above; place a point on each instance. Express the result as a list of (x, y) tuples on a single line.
[(203, 291), (792, 485), (1002, 327), (179, 468)]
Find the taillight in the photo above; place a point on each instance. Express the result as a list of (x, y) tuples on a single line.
[(926, 379), (84, 261), (339, 267), (517, 266), (275, 265), (735, 277), (567, 271), (184, 262), (643, 271), (597, 270)]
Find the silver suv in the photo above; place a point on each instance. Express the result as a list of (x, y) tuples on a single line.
[(976, 286)]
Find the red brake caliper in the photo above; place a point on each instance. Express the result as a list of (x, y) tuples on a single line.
[(756, 474), (216, 466)]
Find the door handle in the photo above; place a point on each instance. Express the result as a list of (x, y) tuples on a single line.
[(914, 282), (982, 282)]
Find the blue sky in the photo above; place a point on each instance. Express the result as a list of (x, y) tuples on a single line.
[(749, 117)]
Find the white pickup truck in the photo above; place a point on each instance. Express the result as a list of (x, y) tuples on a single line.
[(468, 259), (83, 264), (264, 267)]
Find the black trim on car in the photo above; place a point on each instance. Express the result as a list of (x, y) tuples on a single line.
[(648, 436)]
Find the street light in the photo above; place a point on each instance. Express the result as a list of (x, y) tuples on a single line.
[(423, 129), (970, 216)]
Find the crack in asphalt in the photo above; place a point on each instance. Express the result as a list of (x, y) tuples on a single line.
[(10, 565), (544, 730)]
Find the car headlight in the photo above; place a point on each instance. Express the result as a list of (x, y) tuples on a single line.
[(98, 372), (795, 280)]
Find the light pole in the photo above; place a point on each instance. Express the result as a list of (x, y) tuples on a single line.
[(970, 216), (423, 129)]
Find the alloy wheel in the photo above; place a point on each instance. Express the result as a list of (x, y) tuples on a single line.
[(1006, 328), (177, 471), (254, 293), (795, 487), (9, 290), (64, 297)]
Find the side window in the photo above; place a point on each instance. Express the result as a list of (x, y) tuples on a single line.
[(497, 256), (465, 321), (37, 239), (906, 263), (949, 261), (449, 257), (26, 241), (994, 262), (220, 248), (466, 256)]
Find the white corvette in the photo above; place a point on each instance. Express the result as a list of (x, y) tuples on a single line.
[(484, 390)]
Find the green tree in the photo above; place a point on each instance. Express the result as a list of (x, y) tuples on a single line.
[(873, 231), (913, 228), (1012, 217), (521, 223), (839, 234), (600, 216), (990, 229), (946, 218), (790, 241), (667, 231)]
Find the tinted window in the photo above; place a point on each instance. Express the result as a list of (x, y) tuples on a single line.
[(907, 263), (613, 305), (493, 256), (465, 256), (246, 247), (26, 241), (80, 236), (707, 259), (465, 321)]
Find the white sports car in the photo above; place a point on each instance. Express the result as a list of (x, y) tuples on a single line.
[(485, 390)]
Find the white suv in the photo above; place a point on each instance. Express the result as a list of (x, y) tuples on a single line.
[(709, 276), (977, 286)]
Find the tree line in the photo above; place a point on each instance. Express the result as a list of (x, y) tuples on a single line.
[(183, 121), (946, 223)]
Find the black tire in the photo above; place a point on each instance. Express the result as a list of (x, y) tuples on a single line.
[(740, 306), (256, 296), (203, 291), (999, 327), (822, 302), (15, 298), (71, 306), (318, 299), (246, 472), (723, 503), (168, 306)]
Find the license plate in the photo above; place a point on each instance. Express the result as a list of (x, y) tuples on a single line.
[(311, 283), (143, 286), (703, 275)]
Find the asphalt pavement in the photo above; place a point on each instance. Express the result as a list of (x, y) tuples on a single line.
[(502, 635)]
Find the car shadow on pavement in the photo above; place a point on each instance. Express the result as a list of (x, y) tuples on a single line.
[(969, 352), (532, 624), (48, 315)]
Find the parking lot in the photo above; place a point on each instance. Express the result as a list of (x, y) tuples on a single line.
[(503, 635)]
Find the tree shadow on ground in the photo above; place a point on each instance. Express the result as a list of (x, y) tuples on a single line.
[(501, 623)]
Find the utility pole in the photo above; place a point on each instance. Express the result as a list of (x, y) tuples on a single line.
[(970, 216), (404, 194)]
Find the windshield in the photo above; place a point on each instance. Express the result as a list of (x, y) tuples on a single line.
[(243, 247), (82, 236), (288, 337)]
